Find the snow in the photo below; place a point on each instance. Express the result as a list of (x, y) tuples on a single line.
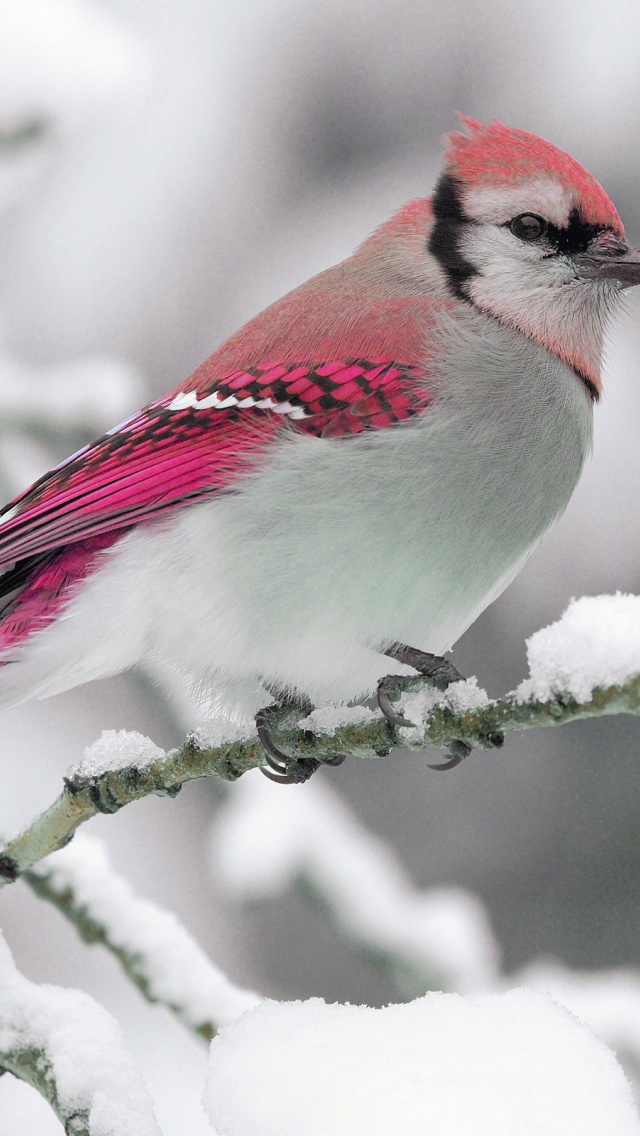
[(465, 695), (459, 697), (595, 643), (514, 1064), (177, 970), (116, 749), (84, 1047), (216, 731), (608, 1001), (327, 719), (264, 840)]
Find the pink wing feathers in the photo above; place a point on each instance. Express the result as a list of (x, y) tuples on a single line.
[(201, 438), (198, 440)]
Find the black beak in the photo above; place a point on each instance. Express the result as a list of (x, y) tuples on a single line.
[(622, 265)]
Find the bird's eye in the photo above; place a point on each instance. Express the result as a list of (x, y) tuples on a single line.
[(528, 227)]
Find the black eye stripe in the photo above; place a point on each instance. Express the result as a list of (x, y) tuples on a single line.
[(574, 237)]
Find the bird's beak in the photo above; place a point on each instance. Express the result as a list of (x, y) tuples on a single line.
[(615, 262)]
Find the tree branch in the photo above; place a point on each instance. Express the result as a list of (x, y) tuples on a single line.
[(153, 949), (33, 1066), (364, 734), (69, 1048)]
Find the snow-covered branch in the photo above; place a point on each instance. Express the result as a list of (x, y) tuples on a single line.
[(72, 1051), (154, 950), (34, 1068), (587, 665)]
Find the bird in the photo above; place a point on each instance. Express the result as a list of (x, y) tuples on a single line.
[(345, 484)]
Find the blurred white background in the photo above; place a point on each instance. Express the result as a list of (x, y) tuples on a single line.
[(167, 169)]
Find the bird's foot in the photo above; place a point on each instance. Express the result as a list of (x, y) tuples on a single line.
[(442, 673), (284, 768), (390, 688)]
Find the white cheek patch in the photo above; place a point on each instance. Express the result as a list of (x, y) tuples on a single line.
[(497, 253), (498, 204), (517, 282)]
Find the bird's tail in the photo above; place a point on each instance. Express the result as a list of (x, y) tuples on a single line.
[(34, 593)]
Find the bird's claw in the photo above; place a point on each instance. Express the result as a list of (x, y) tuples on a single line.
[(442, 673), (283, 768), (294, 772), (389, 690), (458, 750)]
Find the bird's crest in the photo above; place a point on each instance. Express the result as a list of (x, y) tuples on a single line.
[(493, 154)]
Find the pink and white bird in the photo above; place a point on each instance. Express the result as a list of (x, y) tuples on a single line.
[(367, 463)]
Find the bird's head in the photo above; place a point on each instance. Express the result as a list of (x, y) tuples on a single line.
[(525, 234)]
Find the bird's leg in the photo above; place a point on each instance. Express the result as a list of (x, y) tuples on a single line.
[(285, 711), (441, 672)]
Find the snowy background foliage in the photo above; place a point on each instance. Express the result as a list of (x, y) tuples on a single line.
[(166, 169)]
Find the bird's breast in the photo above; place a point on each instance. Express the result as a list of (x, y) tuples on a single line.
[(409, 531)]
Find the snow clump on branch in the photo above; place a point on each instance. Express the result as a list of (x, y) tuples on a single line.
[(595, 643)]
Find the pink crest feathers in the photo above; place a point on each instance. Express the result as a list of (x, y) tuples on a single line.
[(495, 154)]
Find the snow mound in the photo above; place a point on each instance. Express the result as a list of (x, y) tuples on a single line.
[(514, 1064)]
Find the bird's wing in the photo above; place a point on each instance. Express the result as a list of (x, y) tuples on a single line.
[(198, 440)]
